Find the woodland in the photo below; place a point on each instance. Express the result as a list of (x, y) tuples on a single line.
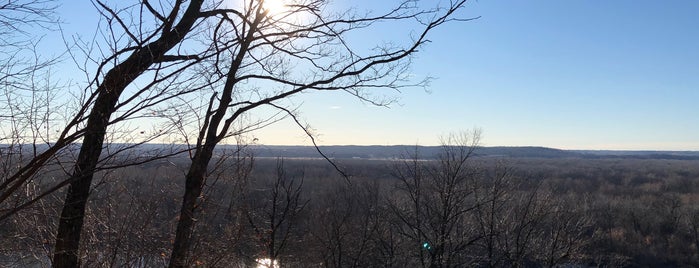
[(458, 210), (82, 182)]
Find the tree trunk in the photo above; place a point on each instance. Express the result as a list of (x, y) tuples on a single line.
[(66, 251), (200, 162), (185, 224), (70, 225)]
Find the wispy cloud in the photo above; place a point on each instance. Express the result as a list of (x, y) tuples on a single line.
[(335, 107)]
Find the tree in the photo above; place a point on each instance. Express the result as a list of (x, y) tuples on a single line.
[(26, 113), (257, 47), (275, 216), (494, 196), (354, 229), (141, 52), (433, 200), (143, 66)]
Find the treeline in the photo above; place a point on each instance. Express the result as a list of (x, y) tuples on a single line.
[(456, 211)]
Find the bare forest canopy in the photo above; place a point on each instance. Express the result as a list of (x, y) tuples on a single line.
[(553, 211)]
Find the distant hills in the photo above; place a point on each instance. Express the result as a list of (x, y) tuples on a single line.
[(430, 152), (679, 155), (402, 151)]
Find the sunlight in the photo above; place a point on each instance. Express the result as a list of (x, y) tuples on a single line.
[(286, 11), (274, 7), (266, 263)]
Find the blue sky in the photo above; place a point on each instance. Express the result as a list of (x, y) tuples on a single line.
[(572, 74), (564, 74)]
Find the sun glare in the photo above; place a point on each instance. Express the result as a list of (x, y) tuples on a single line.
[(284, 11), (274, 6)]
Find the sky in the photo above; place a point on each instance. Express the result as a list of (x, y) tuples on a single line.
[(573, 74)]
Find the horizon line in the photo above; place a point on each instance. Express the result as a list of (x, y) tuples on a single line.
[(420, 145)]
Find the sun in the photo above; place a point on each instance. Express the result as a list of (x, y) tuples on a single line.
[(284, 11), (274, 6)]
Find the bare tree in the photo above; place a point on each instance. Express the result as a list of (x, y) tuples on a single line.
[(256, 46), (275, 216), (142, 66), (28, 111), (348, 228), (566, 233), (141, 52), (27, 90), (110, 65), (433, 202), (494, 196)]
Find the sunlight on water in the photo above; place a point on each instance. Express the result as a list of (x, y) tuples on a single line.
[(266, 263)]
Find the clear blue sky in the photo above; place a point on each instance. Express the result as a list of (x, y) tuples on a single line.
[(565, 74), (573, 74)]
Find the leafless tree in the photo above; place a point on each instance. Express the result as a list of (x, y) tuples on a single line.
[(273, 215), (144, 48), (27, 114), (25, 83), (109, 70), (433, 201), (137, 66), (350, 228), (494, 195), (566, 233), (255, 46)]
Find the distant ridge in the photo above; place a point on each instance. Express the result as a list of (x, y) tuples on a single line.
[(404, 151), (646, 154), (432, 152)]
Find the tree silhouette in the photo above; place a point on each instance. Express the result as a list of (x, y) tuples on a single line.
[(254, 46)]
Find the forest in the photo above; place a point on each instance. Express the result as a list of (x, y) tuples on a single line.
[(127, 139), (456, 210)]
